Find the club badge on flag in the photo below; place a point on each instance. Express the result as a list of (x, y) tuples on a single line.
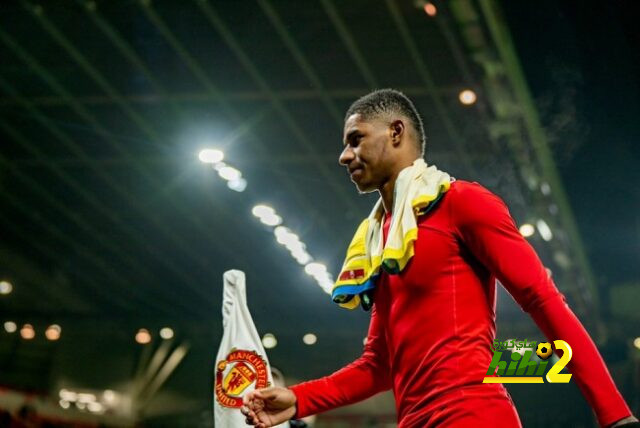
[(241, 364)]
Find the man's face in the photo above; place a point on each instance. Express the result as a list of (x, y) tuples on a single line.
[(366, 152)]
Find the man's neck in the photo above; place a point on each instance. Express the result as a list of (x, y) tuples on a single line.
[(387, 190)]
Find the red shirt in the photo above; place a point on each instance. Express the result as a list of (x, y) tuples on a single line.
[(432, 324)]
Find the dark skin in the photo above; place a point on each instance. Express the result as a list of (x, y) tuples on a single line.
[(374, 152)]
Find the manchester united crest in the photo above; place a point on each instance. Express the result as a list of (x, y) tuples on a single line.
[(236, 373)]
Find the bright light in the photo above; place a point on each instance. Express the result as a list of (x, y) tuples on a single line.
[(430, 9), (27, 332), (262, 211), (229, 173), (53, 332), (301, 256), (636, 342), (165, 333), (269, 341), (527, 230), (364, 341), (109, 396), (286, 237), (271, 220), (238, 185), (85, 397), (467, 97), (5, 287), (315, 269), (326, 284), (143, 336), (211, 156), (309, 339), (67, 395), (64, 404), (10, 327), (544, 229), (95, 407), (545, 189)]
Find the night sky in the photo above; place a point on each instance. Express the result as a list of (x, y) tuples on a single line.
[(582, 62)]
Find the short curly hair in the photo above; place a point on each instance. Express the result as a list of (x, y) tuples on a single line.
[(385, 101)]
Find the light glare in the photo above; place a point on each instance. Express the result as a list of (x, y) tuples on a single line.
[(430, 9), (309, 339), (636, 342), (229, 173), (467, 97), (211, 156), (10, 327), (269, 341), (5, 287), (315, 269), (262, 211), (527, 230), (165, 333), (53, 332), (544, 230), (27, 332), (143, 336), (238, 185)]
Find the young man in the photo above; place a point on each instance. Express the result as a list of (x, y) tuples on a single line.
[(426, 261)]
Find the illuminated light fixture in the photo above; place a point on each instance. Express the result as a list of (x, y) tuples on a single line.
[(269, 341), (210, 156), (271, 220), (64, 404), (53, 332), (262, 211), (27, 332), (315, 269), (467, 97), (85, 397), (95, 407), (430, 9), (636, 342), (286, 237), (309, 339), (143, 336), (10, 327), (218, 166), (81, 406), (238, 185), (301, 256), (5, 287), (67, 395), (109, 396), (229, 173), (545, 189), (326, 284), (165, 333), (544, 230), (527, 230)]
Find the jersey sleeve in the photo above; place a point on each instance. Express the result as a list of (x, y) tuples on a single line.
[(357, 381), (484, 225)]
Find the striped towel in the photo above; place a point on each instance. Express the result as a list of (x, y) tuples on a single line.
[(417, 189)]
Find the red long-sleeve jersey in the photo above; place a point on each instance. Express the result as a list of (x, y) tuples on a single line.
[(432, 324)]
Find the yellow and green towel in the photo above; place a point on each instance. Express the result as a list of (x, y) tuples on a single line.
[(417, 189)]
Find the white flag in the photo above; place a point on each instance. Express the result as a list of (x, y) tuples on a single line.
[(241, 363)]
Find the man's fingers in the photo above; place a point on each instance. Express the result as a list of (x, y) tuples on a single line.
[(265, 393)]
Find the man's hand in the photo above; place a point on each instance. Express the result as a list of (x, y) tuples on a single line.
[(268, 407)]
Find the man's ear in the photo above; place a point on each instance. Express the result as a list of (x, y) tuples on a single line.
[(396, 131)]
